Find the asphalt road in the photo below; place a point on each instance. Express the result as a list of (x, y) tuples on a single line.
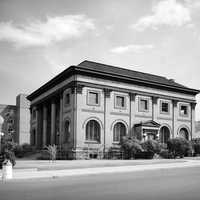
[(162, 184)]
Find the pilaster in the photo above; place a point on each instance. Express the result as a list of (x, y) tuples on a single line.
[(44, 139), (53, 121), (61, 119)]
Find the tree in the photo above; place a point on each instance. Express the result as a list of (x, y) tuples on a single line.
[(8, 146)]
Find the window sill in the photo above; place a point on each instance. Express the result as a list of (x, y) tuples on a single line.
[(92, 142), (116, 143), (146, 111)]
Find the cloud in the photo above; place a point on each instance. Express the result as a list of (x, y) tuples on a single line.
[(40, 33), (131, 48), (166, 12)]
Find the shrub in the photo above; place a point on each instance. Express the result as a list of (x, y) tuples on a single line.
[(130, 146), (52, 150), (178, 147), (196, 146), (18, 150), (23, 150), (44, 155), (164, 153), (27, 148), (150, 147)]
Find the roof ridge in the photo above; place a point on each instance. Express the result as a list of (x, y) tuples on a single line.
[(123, 68)]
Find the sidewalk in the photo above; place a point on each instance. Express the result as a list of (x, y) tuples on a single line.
[(89, 167)]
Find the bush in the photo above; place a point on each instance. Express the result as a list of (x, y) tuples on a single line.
[(151, 147), (44, 155), (23, 150), (164, 153), (196, 146), (52, 150), (27, 148), (18, 150), (130, 146), (10, 156), (178, 147)]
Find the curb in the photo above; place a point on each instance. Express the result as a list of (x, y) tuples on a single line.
[(99, 170)]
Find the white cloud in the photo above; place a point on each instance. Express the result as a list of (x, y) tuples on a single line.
[(40, 33), (166, 12), (132, 48)]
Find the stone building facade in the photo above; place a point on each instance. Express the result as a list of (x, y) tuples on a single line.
[(92, 105), (17, 119)]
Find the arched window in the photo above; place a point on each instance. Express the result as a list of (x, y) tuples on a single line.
[(119, 131), (164, 134), (67, 131), (93, 131), (184, 133)]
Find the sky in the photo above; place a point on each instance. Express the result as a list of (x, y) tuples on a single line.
[(40, 38)]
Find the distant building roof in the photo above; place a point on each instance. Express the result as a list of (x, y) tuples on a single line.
[(115, 73)]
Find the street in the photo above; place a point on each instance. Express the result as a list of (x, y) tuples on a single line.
[(161, 184)]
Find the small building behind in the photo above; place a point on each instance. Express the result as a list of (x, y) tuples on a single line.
[(17, 119)]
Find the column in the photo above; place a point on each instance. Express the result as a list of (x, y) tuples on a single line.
[(174, 117), (193, 105), (105, 141), (44, 134), (61, 120), (154, 107), (53, 121), (132, 113), (37, 127)]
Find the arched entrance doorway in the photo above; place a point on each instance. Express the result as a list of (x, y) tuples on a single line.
[(184, 133), (164, 134)]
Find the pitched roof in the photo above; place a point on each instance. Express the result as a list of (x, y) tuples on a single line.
[(109, 72), (103, 68), (149, 123)]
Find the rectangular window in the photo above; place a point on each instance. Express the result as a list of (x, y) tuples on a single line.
[(184, 110), (93, 98), (143, 105), (67, 99), (119, 102), (164, 107), (34, 114)]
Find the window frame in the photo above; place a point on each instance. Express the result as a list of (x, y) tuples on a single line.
[(65, 103), (115, 133), (88, 97), (164, 112), (115, 101), (187, 106), (92, 140), (34, 114), (139, 104)]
